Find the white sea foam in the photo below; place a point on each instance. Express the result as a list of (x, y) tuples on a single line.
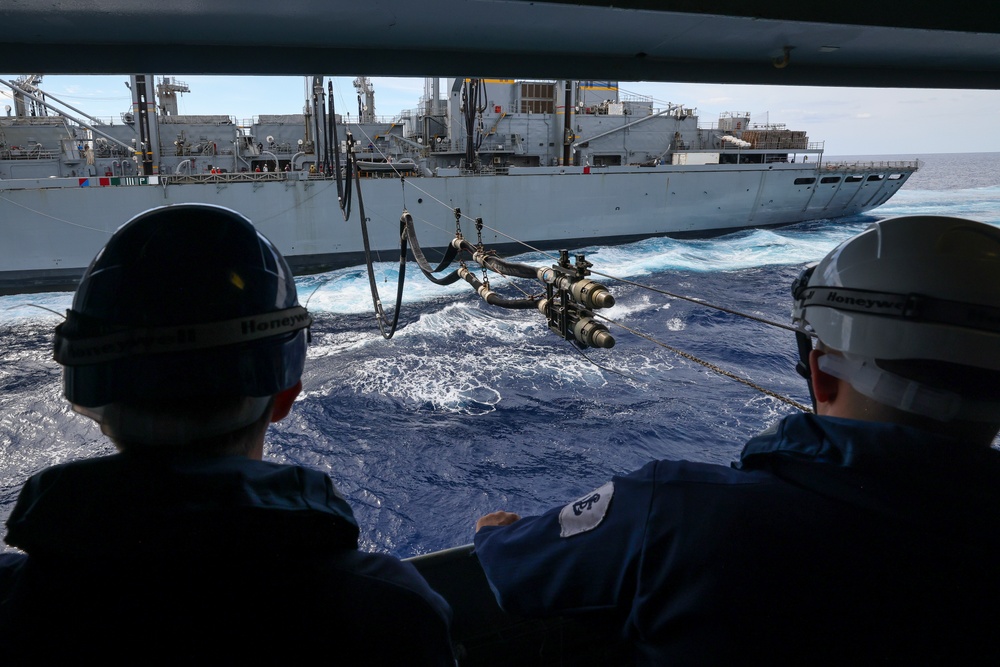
[(976, 203), (635, 304), (486, 352), (444, 383), (676, 324), (20, 308)]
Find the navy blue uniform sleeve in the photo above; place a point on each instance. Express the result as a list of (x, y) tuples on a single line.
[(580, 557)]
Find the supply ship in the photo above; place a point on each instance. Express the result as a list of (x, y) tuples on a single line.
[(542, 164)]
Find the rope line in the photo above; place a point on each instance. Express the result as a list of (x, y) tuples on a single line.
[(714, 368), (52, 217), (700, 302)]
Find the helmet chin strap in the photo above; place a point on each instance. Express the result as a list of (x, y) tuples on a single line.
[(803, 340), (804, 343), (153, 427), (904, 394)]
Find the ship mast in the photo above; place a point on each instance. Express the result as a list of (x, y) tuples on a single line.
[(568, 123), (144, 108), (366, 111), (166, 91), (24, 105)]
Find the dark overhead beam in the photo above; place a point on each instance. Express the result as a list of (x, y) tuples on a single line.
[(972, 17), (723, 41), (331, 61)]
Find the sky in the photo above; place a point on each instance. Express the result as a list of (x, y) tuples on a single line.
[(850, 121)]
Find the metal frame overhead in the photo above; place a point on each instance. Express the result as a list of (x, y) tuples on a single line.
[(954, 45)]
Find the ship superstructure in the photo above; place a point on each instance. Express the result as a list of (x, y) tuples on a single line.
[(616, 167)]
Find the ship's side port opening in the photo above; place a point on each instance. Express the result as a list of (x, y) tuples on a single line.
[(607, 160), (830, 179), (876, 177), (895, 177), (804, 181), (524, 161), (853, 179)]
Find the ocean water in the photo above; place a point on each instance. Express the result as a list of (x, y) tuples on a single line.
[(470, 408)]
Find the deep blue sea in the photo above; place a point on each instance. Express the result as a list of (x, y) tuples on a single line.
[(470, 408)]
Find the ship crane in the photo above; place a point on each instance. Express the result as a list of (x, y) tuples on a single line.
[(24, 104), (366, 111), (166, 91)]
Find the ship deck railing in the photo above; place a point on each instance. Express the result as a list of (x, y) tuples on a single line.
[(782, 146), (760, 147), (246, 177), (28, 154), (116, 154), (38, 121), (870, 165), (228, 177), (858, 166), (494, 170), (348, 119)]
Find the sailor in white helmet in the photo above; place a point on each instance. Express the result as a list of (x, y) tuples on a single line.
[(907, 324), (868, 532)]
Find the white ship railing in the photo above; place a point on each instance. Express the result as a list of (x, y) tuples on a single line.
[(811, 147), (860, 166), (345, 119), (231, 177)]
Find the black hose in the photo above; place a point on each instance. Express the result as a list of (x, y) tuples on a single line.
[(493, 298), (326, 131), (317, 125), (349, 174), (499, 264), (473, 97), (515, 269), (386, 327), (332, 121), (468, 114), (406, 222)]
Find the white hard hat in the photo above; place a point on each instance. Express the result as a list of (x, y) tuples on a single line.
[(912, 287)]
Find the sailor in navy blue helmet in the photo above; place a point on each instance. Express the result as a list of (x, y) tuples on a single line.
[(185, 340), (184, 305), (865, 533)]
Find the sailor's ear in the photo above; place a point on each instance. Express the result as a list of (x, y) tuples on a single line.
[(825, 386), (283, 402)]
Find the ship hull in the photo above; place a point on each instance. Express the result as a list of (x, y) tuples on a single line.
[(52, 228)]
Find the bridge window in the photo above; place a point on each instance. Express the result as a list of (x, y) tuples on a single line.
[(804, 181), (830, 179)]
